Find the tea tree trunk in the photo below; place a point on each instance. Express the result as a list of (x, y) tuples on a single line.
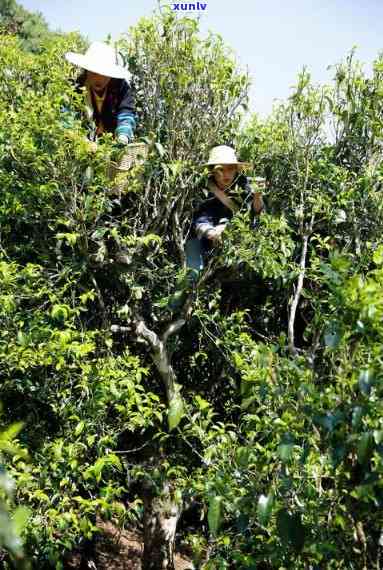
[(161, 514)]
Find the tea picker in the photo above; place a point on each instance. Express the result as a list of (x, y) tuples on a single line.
[(227, 191), (108, 102)]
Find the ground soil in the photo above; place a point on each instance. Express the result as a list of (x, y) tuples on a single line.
[(117, 549)]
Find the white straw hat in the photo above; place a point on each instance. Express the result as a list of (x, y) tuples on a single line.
[(100, 58), (224, 155)]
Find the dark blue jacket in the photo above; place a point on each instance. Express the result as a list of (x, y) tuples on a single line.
[(117, 114), (212, 212)]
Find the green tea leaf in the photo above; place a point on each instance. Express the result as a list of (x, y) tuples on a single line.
[(214, 516), (290, 529), (20, 518), (264, 508), (176, 411), (366, 380), (378, 255), (332, 337), (364, 447), (285, 451)]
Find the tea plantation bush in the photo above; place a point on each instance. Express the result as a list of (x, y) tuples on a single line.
[(254, 416)]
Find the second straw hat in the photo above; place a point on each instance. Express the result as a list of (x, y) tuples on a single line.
[(224, 155)]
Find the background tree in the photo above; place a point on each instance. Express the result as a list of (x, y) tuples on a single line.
[(30, 27)]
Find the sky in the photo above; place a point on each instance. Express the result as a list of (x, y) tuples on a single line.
[(273, 39)]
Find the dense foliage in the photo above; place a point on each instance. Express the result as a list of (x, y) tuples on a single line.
[(256, 410)]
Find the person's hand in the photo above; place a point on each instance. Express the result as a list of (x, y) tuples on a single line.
[(219, 229), (214, 235), (123, 139)]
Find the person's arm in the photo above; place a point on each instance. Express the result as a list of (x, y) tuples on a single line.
[(204, 221), (126, 118), (215, 234), (204, 226)]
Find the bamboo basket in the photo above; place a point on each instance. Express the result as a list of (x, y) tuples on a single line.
[(134, 154)]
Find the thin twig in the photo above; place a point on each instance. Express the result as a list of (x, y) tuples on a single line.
[(133, 450)]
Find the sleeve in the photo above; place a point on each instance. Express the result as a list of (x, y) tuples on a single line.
[(126, 117), (204, 220)]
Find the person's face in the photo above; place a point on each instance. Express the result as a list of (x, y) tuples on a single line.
[(96, 81), (224, 175)]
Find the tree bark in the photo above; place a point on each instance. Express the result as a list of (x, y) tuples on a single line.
[(297, 295), (159, 353), (305, 233), (161, 514)]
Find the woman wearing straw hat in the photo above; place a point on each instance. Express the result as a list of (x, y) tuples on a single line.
[(108, 96), (228, 191)]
